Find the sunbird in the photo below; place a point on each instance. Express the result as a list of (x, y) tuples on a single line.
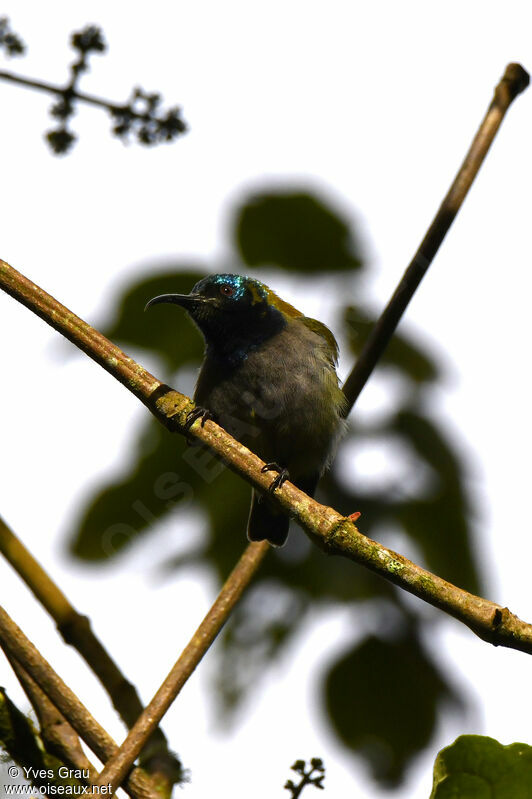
[(269, 378)]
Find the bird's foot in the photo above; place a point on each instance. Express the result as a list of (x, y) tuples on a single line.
[(282, 475), (354, 516), (197, 413)]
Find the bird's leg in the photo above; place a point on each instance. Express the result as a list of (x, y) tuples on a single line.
[(282, 475), (197, 413)]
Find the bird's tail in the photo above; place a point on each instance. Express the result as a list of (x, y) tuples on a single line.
[(266, 522)]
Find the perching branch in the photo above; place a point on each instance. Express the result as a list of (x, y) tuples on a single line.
[(76, 630), (514, 81), (138, 785), (335, 533), (116, 769)]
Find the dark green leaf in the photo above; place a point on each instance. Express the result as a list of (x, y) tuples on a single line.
[(161, 481), (260, 627), (439, 521), (165, 329), (295, 231), (409, 356), (382, 698), (477, 767)]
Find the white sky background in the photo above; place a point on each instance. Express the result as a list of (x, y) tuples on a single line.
[(374, 103)]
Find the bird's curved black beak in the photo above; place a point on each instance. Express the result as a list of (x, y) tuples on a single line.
[(187, 301)]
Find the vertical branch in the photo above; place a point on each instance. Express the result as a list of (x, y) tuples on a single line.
[(118, 766), (514, 81)]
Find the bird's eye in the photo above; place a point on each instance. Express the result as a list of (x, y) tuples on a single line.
[(227, 290)]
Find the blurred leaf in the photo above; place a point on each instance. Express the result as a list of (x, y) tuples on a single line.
[(166, 477), (377, 506), (440, 530), (430, 443), (440, 522), (477, 767), (260, 627), (435, 514), (296, 231), (272, 612), (165, 329), (402, 352), (382, 698)]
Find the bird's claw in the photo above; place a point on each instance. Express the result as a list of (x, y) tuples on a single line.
[(281, 478), (197, 413)]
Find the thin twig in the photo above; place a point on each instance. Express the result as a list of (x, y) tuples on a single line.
[(514, 81), (59, 91), (20, 647), (308, 776), (141, 116), (76, 630), (51, 88), (116, 768), (56, 733)]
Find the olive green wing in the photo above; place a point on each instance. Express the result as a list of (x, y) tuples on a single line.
[(322, 330)]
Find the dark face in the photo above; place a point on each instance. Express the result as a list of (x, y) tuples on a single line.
[(228, 307), (232, 294)]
